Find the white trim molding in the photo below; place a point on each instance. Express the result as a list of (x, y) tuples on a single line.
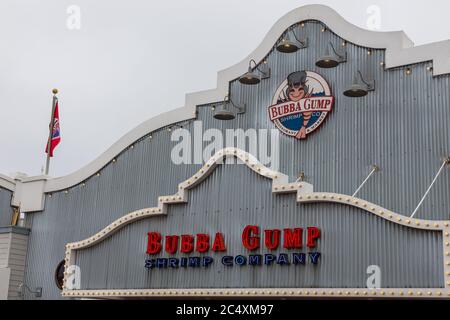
[(7, 183), (406, 293), (397, 218), (29, 196), (400, 51), (280, 184)]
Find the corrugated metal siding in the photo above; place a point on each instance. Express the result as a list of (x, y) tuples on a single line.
[(5, 207), (351, 241), (13, 251), (5, 242), (17, 260), (401, 126)]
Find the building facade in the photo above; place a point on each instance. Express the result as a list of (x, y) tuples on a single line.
[(343, 132)]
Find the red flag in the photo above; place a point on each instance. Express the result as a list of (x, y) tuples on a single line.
[(56, 134)]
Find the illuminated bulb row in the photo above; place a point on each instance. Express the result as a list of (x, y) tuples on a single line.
[(110, 228), (258, 292), (171, 199), (287, 187), (210, 163), (424, 224), (243, 156), (219, 156)]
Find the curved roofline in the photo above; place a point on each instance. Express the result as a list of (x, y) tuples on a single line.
[(152, 124), (400, 51)]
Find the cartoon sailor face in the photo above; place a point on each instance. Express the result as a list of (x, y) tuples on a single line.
[(297, 89), (296, 93)]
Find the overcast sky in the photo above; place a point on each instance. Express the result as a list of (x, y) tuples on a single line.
[(114, 73)]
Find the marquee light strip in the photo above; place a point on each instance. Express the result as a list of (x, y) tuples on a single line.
[(263, 292), (280, 184), (374, 209), (443, 225)]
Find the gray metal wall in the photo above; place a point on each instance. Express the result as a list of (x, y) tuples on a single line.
[(5, 207), (351, 241), (402, 126)]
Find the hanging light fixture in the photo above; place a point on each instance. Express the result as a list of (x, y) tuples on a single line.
[(223, 112), (331, 60), (286, 45), (359, 87), (251, 77)]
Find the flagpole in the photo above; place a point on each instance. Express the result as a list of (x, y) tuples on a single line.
[(50, 128)]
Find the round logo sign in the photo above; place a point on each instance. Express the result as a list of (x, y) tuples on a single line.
[(301, 103)]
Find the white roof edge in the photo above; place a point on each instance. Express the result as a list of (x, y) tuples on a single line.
[(392, 40), (437, 52), (152, 124), (7, 183), (400, 51)]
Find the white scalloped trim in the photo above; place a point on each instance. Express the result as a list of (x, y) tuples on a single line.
[(280, 184), (264, 292), (374, 209)]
